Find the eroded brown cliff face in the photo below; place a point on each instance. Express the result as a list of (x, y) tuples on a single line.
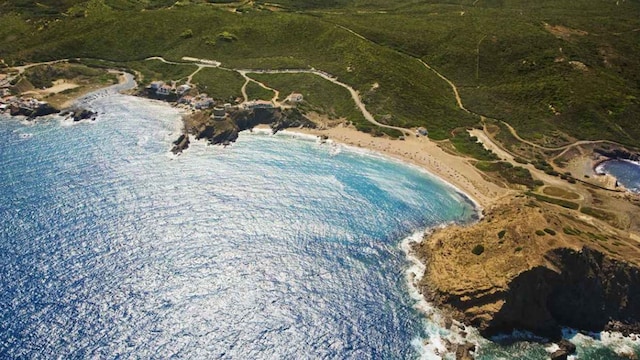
[(540, 269)]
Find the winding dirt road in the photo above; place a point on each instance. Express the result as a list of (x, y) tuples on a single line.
[(461, 106), (243, 72), (276, 93)]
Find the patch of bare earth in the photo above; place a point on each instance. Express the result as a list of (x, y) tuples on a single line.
[(564, 32)]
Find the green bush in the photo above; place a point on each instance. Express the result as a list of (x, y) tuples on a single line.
[(469, 145), (501, 234), (540, 233), (186, 34), (549, 231), (564, 203), (227, 36), (571, 231), (598, 213), (478, 249)]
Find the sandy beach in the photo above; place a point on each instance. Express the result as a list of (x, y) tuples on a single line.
[(423, 152)]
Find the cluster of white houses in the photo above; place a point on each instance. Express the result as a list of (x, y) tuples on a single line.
[(161, 88)]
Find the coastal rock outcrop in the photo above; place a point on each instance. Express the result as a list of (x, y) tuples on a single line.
[(181, 144), (218, 133), (580, 289), (618, 153), (225, 130), (80, 114), (463, 351), (540, 271), (43, 109), (278, 119)]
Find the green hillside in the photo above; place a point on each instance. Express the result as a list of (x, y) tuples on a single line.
[(556, 70)]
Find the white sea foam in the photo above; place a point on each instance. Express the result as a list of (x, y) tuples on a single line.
[(257, 131), (376, 154), (631, 161), (297, 135), (620, 344), (435, 345)]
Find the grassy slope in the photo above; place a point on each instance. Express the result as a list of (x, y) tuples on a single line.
[(156, 70), (257, 92), (408, 95), (498, 52), (319, 94), (507, 63), (219, 84)]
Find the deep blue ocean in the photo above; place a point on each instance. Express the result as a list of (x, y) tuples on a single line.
[(276, 247), (627, 172)]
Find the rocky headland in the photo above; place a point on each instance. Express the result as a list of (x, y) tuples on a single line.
[(533, 266), (31, 111), (224, 130), (618, 153)]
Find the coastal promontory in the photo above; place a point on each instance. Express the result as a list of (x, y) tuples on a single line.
[(531, 266)]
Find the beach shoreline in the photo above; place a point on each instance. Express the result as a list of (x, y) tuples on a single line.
[(423, 153)]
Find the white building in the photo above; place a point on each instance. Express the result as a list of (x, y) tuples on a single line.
[(183, 89), (164, 90), (155, 85), (204, 103), (257, 104), (295, 98)]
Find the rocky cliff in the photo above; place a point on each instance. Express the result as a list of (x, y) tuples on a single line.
[(524, 268), (618, 153), (32, 113), (225, 131)]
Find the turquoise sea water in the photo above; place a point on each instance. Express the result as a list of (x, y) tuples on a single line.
[(274, 248)]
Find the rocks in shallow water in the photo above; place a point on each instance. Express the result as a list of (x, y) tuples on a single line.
[(566, 345), (463, 351), (32, 111), (448, 322), (79, 114), (559, 355), (83, 114), (566, 348), (181, 144)]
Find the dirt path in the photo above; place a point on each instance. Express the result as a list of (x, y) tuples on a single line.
[(454, 88), (461, 106), (22, 68), (564, 147), (354, 94), (276, 93), (190, 77)]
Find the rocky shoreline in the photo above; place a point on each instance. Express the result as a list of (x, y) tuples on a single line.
[(618, 154), (223, 130), (521, 281), (531, 267)]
